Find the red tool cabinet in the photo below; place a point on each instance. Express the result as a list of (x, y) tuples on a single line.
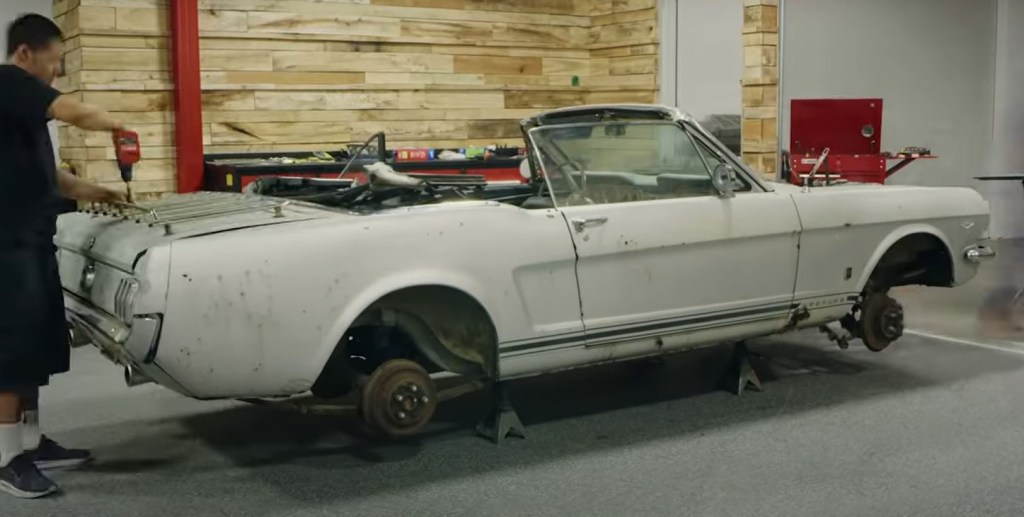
[(851, 129)]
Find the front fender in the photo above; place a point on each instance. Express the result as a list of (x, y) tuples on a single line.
[(363, 299)]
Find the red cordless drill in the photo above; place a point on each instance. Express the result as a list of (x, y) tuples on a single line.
[(126, 148)]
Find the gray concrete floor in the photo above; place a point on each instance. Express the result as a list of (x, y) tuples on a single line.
[(953, 312), (931, 427)]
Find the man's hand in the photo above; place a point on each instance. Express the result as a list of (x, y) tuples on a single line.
[(106, 195), (72, 187), (86, 116)]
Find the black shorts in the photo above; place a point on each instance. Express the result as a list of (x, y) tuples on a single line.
[(34, 338)]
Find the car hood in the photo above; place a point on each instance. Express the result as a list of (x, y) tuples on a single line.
[(786, 187), (920, 200), (789, 188), (120, 237)]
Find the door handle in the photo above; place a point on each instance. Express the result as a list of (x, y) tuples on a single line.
[(583, 223)]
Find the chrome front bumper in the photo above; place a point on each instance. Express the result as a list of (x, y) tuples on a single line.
[(979, 253), (123, 344), (134, 347)]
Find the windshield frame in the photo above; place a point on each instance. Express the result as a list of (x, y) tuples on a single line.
[(726, 154), (693, 131)]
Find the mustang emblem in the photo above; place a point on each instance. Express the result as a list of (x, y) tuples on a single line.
[(967, 225), (92, 242)]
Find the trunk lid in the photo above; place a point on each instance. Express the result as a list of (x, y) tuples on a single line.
[(118, 238)]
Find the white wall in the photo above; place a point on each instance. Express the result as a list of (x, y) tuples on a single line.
[(705, 52), (932, 61), (11, 9), (1007, 156)]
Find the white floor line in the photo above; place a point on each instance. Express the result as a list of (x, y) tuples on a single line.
[(1013, 347)]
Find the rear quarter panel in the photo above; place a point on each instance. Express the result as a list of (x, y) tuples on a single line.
[(258, 312)]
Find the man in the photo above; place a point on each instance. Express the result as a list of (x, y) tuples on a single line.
[(34, 342)]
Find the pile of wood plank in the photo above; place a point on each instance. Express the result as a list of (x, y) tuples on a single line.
[(307, 75)]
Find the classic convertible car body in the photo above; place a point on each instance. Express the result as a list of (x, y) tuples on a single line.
[(640, 235)]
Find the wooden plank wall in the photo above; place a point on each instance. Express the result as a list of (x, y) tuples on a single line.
[(761, 86), (317, 75), (624, 51)]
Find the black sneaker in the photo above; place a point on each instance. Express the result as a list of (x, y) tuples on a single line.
[(51, 455), (21, 478)]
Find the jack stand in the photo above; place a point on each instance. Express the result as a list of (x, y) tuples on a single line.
[(503, 420), (742, 371)]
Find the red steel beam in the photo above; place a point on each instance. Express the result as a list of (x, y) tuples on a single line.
[(188, 102)]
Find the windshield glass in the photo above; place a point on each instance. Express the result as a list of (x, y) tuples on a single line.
[(616, 162)]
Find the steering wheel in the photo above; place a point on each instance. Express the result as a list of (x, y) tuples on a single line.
[(578, 196)]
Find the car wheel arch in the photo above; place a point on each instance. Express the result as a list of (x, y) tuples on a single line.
[(910, 239), (448, 326)]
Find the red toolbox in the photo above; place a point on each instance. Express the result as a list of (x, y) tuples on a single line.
[(851, 131)]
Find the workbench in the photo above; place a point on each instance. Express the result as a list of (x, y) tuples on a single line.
[(1005, 177), (234, 172)]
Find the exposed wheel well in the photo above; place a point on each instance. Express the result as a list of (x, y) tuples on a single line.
[(917, 259), (442, 328)]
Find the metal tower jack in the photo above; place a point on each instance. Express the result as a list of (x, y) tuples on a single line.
[(741, 373), (503, 420)]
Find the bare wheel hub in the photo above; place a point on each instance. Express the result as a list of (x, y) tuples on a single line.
[(398, 399), (881, 321), (891, 322), (408, 402)]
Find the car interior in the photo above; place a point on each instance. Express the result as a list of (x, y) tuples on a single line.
[(592, 164)]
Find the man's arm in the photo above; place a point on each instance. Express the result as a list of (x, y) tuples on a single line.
[(85, 116), (71, 187)]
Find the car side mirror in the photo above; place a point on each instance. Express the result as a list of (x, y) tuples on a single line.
[(724, 180)]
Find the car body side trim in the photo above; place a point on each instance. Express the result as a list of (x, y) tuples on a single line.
[(653, 326)]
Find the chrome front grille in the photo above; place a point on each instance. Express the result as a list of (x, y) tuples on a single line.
[(124, 299)]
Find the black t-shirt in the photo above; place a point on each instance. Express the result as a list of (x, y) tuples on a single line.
[(29, 200)]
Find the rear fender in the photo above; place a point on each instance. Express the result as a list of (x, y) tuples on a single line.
[(364, 299)]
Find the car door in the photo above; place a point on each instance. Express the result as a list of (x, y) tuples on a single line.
[(661, 252)]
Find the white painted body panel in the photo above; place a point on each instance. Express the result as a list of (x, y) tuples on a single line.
[(852, 226), (674, 258), (257, 311), (663, 275), (253, 303), (268, 322)]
